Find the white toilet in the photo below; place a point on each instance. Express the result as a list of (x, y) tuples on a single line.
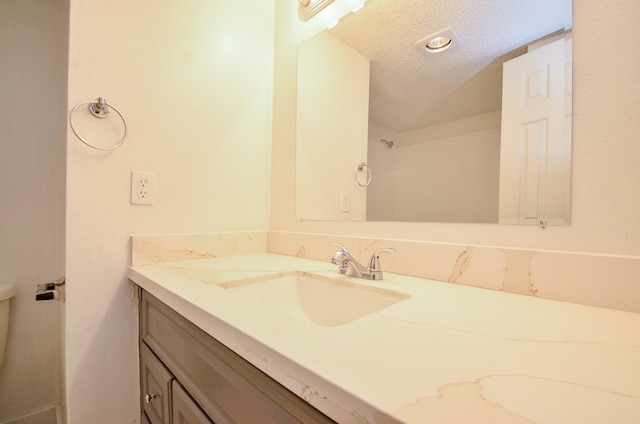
[(7, 291)]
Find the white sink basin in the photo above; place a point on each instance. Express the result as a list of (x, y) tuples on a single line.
[(322, 300)]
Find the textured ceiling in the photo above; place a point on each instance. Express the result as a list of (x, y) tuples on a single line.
[(412, 89)]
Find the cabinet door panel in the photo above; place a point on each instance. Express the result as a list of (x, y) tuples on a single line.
[(185, 410), (156, 387)]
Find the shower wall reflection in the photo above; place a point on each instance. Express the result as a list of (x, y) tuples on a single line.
[(443, 174)]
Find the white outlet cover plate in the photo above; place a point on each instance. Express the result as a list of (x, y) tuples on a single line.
[(143, 186)]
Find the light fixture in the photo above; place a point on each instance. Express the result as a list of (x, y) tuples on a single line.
[(438, 42), (330, 11), (358, 5), (307, 9)]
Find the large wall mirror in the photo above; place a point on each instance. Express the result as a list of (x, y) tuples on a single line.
[(479, 132)]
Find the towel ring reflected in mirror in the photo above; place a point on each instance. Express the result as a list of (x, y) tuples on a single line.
[(363, 167)]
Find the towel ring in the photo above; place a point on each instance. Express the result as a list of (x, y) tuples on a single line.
[(359, 168), (100, 109)]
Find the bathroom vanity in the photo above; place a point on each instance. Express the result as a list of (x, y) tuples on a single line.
[(255, 334)]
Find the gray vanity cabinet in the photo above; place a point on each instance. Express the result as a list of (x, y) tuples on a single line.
[(209, 383)]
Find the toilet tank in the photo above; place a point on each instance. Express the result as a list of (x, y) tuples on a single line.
[(7, 291)]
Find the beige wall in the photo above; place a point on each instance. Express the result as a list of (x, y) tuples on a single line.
[(606, 153), (325, 165), (194, 80), (33, 40)]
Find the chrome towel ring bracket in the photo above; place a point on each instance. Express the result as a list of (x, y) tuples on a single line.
[(362, 167), (100, 109)]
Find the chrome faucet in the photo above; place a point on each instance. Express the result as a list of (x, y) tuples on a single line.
[(349, 266)]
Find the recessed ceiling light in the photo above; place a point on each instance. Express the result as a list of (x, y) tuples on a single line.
[(438, 42)]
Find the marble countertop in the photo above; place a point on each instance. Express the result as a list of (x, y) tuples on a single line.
[(447, 354)]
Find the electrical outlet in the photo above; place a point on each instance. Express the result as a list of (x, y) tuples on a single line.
[(345, 202), (143, 186)]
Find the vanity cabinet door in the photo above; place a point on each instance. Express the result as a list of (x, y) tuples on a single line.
[(185, 410), (155, 387)]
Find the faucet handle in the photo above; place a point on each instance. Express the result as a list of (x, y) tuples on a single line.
[(341, 247), (374, 262), (338, 258)]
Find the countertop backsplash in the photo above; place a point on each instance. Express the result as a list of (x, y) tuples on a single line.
[(608, 281)]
